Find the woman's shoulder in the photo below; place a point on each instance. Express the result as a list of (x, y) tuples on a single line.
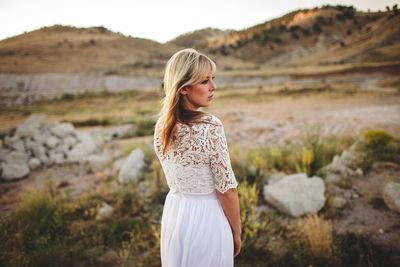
[(212, 120)]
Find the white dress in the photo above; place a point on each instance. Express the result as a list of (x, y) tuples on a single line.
[(194, 228)]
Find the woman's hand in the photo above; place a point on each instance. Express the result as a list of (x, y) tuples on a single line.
[(237, 244), (230, 204)]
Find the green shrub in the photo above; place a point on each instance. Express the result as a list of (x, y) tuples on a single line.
[(35, 233), (309, 156), (377, 146), (377, 141), (145, 127), (251, 226)]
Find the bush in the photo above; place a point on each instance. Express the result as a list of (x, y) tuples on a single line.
[(317, 28), (312, 240), (251, 227), (377, 141), (145, 127), (35, 233), (378, 146)]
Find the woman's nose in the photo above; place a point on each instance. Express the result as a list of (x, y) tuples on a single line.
[(213, 86)]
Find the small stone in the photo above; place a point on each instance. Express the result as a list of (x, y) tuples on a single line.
[(52, 141), (391, 196), (355, 195), (34, 163), (105, 211), (339, 202), (381, 231)]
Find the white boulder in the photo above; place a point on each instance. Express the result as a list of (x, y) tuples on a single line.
[(13, 171), (85, 147), (391, 196), (133, 167), (17, 157), (62, 130), (98, 162), (296, 194), (31, 125)]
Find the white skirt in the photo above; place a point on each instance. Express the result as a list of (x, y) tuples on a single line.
[(195, 232)]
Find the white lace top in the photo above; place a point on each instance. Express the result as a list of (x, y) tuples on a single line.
[(198, 158)]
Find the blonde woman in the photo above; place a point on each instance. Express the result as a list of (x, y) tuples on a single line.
[(200, 223)]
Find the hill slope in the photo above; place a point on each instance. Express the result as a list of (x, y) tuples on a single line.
[(327, 36), (68, 49)]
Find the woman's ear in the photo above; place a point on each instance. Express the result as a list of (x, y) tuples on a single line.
[(184, 90)]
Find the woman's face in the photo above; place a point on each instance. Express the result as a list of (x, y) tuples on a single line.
[(200, 94)]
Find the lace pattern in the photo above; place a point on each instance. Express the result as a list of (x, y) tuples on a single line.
[(198, 160)]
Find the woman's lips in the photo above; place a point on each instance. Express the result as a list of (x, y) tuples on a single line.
[(211, 97)]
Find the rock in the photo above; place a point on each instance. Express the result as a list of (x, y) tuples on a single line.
[(296, 194), (337, 167), (98, 162), (347, 194), (9, 141), (339, 202), (274, 177), (56, 157), (62, 130), (333, 178), (348, 158), (359, 172), (391, 196), (124, 131), (40, 138), (52, 141), (18, 145), (85, 147), (3, 153), (62, 148), (16, 157), (1, 144), (34, 163), (13, 171), (31, 125), (70, 141), (117, 165), (132, 167), (109, 258), (105, 212), (38, 150)]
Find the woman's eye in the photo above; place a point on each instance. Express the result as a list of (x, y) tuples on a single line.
[(204, 82)]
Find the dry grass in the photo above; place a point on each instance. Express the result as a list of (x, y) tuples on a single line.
[(317, 234)]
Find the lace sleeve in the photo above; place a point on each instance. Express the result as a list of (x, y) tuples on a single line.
[(219, 159)]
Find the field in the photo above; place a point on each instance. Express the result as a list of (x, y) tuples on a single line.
[(49, 218)]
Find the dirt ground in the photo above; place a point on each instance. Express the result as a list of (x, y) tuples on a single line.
[(253, 123)]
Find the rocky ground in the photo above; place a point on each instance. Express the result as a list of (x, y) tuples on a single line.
[(253, 124)]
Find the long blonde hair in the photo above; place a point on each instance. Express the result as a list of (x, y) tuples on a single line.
[(185, 68)]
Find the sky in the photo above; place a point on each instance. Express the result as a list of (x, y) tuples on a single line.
[(157, 20)]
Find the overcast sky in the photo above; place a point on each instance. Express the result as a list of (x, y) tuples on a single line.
[(155, 19)]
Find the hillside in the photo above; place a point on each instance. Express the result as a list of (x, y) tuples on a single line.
[(67, 49), (330, 36), (198, 37)]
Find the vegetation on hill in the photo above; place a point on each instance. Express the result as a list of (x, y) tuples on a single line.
[(325, 36)]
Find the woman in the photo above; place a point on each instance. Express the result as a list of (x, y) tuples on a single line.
[(200, 223)]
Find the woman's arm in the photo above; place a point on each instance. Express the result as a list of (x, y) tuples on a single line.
[(230, 204)]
